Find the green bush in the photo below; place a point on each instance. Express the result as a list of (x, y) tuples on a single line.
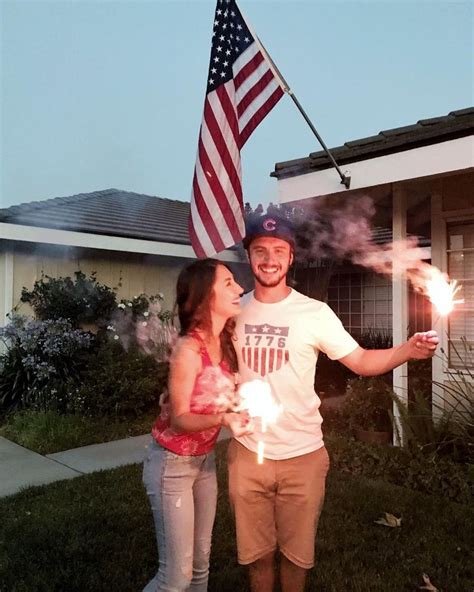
[(42, 363), (408, 468), (368, 405), (81, 300), (332, 377), (120, 382)]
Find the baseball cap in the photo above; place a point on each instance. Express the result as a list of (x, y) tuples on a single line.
[(269, 225)]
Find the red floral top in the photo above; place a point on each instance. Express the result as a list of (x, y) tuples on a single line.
[(213, 392)]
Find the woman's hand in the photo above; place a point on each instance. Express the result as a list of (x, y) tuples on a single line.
[(237, 423)]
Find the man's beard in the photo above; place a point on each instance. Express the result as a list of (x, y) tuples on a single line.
[(271, 283)]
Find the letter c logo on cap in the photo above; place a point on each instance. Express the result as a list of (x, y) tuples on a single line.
[(269, 225)]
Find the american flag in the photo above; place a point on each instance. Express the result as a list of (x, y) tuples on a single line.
[(241, 90)]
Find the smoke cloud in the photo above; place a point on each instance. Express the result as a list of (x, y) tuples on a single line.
[(345, 232)]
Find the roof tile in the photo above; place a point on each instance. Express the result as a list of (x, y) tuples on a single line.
[(111, 212)]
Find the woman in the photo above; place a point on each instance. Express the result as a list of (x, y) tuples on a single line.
[(179, 471)]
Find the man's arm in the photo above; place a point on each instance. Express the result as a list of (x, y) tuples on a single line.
[(371, 362)]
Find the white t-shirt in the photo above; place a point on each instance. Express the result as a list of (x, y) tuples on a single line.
[(280, 343)]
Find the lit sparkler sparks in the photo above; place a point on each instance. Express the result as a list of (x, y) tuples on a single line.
[(442, 292), (258, 401)]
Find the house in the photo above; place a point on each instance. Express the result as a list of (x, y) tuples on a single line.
[(420, 177), (421, 180), (138, 241)]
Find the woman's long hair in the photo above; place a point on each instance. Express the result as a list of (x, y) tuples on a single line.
[(193, 301)]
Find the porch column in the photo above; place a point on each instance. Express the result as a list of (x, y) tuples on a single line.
[(439, 324), (399, 308)]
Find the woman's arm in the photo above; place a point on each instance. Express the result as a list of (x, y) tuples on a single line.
[(185, 365)]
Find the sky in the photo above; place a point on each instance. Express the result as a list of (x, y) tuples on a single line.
[(110, 93)]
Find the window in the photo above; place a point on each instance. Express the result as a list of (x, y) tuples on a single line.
[(461, 320), (361, 300)]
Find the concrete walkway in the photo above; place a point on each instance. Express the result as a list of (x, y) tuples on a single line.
[(20, 467)]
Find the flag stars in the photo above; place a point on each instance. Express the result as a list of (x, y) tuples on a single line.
[(265, 329), (278, 330), (230, 38)]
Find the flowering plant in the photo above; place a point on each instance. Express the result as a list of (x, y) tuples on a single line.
[(41, 361), (81, 300), (142, 321)]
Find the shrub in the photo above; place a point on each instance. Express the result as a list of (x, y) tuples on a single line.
[(433, 425), (119, 382), (43, 361), (368, 406), (408, 468), (81, 300), (142, 322), (373, 338), (332, 376)]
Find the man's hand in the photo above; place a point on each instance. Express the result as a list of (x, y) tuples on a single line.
[(422, 345)]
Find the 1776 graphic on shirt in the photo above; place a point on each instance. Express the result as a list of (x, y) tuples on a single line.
[(264, 350)]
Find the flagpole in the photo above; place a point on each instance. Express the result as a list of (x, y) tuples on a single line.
[(345, 180)]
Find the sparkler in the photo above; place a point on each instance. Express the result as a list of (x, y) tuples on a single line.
[(258, 401), (442, 292)]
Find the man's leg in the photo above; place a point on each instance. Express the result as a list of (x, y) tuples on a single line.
[(292, 577), (252, 498), (262, 574), (299, 500)]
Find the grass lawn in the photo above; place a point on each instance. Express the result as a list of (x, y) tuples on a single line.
[(95, 534), (49, 432)]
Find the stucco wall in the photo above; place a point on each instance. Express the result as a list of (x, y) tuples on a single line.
[(135, 273)]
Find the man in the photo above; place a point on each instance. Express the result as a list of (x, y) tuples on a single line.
[(279, 334)]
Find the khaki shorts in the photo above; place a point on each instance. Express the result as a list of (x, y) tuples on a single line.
[(277, 503)]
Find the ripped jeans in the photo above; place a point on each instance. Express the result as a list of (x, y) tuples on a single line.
[(183, 493)]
